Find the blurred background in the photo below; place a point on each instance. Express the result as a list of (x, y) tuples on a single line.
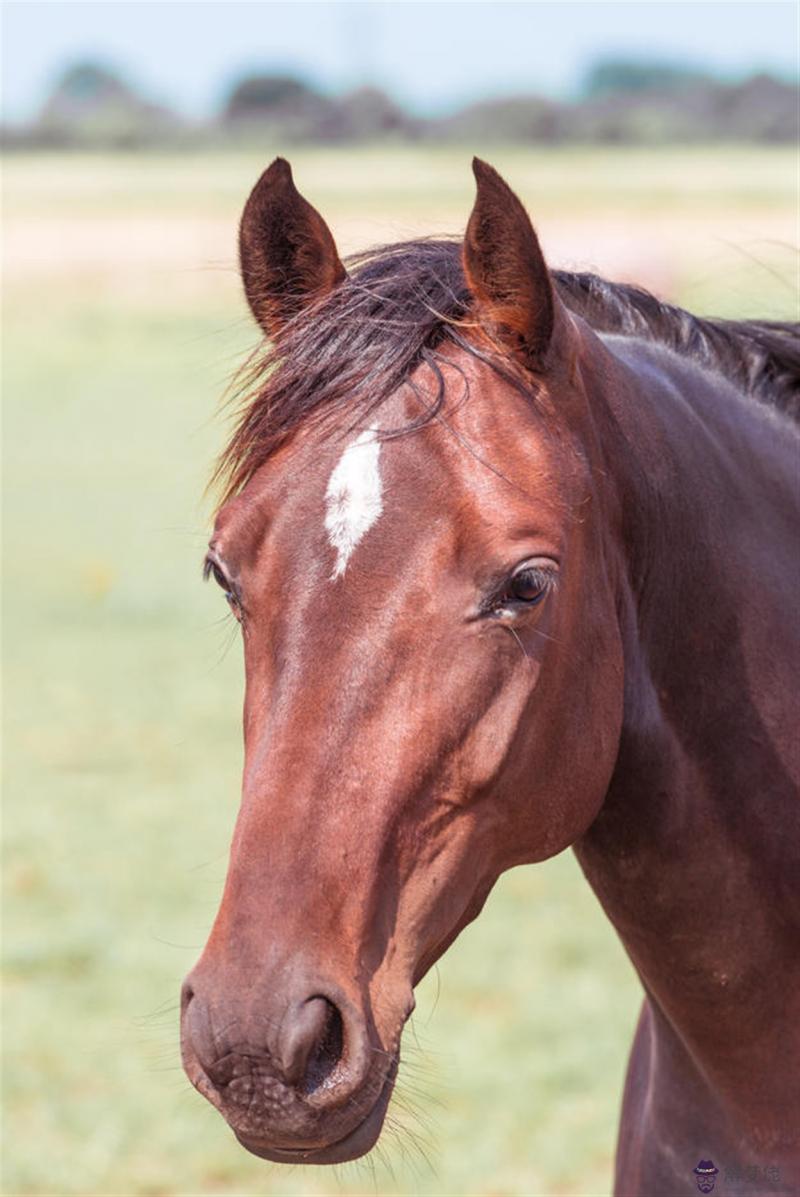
[(653, 142)]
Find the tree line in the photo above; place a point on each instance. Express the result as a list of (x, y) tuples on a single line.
[(620, 101)]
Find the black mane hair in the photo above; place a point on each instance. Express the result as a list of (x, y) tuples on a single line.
[(400, 303), (761, 357)]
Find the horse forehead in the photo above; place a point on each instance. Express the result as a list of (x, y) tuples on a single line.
[(324, 490), (354, 497), (377, 479), (342, 489), (407, 478)]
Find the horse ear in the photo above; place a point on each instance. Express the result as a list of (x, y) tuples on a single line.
[(287, 253), (505, 269)]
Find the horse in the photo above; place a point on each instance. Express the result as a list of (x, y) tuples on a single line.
[(514, 556)]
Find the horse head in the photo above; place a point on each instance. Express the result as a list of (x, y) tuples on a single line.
[(416, 544)]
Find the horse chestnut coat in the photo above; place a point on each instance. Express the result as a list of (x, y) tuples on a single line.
[(515, 557)]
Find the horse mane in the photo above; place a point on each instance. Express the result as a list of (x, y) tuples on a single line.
[(399, 304), (761, 357)]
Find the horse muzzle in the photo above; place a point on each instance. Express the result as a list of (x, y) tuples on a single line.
[(301, 1080)]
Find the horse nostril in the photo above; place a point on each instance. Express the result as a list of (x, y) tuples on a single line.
[(327, 1052), (187, 993), (311, 1043)]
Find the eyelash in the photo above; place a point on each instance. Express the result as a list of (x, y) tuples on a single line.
[(211, 569)]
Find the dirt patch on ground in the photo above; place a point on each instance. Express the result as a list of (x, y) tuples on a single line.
[(167, 258)]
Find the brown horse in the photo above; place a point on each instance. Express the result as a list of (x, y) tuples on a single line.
[(514, 555)]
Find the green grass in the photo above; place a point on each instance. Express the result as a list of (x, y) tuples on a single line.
[(362, 179), (122, 736)]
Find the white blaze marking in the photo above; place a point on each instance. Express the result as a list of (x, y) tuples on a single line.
[(353, 499)]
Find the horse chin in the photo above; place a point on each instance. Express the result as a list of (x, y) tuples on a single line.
[(354, 1144)]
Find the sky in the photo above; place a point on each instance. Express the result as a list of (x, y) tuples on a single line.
[(430, 56)]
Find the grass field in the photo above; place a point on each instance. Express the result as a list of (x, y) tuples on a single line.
[(122, 322)]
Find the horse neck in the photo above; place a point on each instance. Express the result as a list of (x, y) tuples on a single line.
[(691, 854)]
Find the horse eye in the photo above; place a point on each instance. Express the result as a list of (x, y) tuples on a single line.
[(211, 569), (220, 578), (528, 586)]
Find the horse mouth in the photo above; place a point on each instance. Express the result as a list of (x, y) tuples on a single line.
[(355, 1143)]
